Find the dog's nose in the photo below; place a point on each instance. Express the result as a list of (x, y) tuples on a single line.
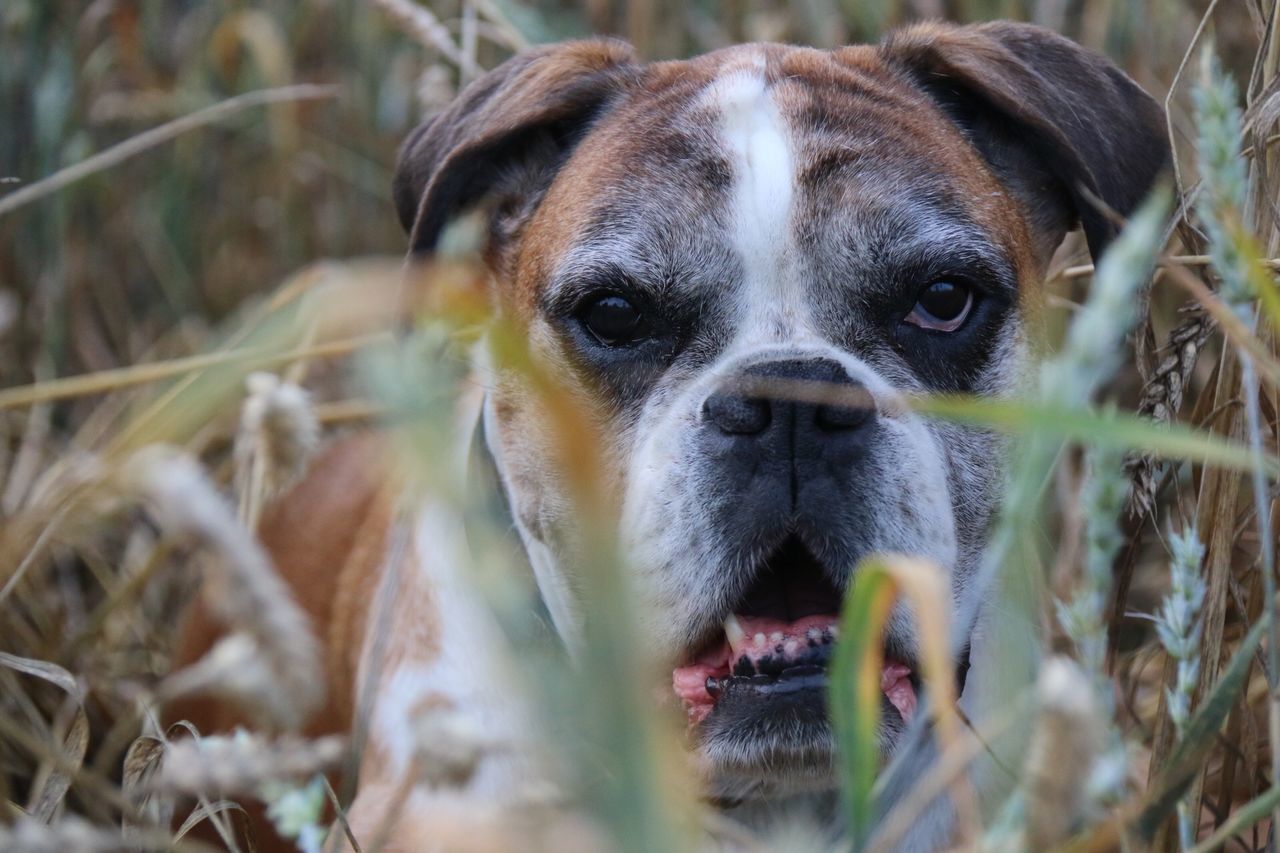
[(814, 399)]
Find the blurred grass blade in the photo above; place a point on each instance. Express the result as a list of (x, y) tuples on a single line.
[(1264, 284), (620, 756), (1225, 179), (49, 672), (1101, 429), (1188, 756), (53, 779), (213, 811), (1241, 819), (141, 763), (928, 591), (56, 772), (149, 139), (855, 693)]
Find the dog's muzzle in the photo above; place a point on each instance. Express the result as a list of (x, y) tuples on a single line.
[(786, 437)]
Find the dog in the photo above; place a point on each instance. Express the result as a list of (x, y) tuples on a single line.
[(673, 238)]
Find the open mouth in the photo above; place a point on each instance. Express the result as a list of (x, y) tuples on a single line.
[(775, 645)]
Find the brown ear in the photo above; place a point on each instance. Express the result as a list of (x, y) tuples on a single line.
[(514, 122), (1063, 126)]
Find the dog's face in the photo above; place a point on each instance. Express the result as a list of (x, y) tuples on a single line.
[(743, 263)]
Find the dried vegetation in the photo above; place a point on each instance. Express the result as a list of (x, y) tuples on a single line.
[(158, 387)]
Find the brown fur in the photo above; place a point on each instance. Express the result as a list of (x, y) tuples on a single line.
[(326, 537)]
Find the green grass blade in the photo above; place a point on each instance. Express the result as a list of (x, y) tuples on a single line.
[(1100, 429), (855, 693), (1241, 819), (1269, 296)]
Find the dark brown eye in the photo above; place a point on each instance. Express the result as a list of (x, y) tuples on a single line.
[(613, 320), (943, 306)]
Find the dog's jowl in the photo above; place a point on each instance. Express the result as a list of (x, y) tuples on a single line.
[(744, 261)]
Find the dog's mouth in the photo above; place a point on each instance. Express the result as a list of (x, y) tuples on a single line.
[(775, 645)]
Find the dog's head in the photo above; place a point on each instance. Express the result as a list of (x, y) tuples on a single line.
[(741, 260)]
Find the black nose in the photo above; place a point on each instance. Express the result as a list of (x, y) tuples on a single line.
[(813, 400)]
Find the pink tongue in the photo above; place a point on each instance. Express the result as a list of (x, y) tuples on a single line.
[(895, 683), (690, 684), (765, 637)]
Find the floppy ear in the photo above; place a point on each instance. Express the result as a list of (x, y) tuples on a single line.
[(514, 124), (1062, 126)]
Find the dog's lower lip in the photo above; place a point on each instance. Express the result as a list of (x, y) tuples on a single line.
[(755, 649), (758, 659), (791, 679)]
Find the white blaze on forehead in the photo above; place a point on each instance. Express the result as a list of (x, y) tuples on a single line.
[(757, 141)]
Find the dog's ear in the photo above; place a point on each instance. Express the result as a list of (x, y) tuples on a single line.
[(1063, 127), (513, 125)]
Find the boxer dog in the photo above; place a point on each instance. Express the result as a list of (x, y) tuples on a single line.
[(673, 237)]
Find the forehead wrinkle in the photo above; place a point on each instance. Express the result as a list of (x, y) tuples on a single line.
[(936, 245), (920, 230), (877, 214), (621, 262), (657, 261), (908, 221)]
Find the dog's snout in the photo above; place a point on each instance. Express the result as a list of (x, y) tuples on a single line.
[(810, 398)]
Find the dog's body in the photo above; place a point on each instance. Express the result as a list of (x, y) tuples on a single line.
[(677, 240)]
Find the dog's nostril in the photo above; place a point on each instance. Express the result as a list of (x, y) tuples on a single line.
[(814, 395), (737, 415)]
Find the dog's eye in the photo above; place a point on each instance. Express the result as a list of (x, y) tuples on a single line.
[(613, 320), (942, 306)]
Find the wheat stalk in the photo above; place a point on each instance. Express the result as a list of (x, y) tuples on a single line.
[(1162, 400), (278, 435), (1060, 758), (420, 23), (137, 144), (242, 763), (240, 585)]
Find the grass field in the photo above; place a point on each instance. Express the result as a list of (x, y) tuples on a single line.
[(195, 194)]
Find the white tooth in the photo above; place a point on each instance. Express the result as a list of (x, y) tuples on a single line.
[(790, 647), (834, 631), (775, 637), (813, 634), (758, 639), (733, 631)]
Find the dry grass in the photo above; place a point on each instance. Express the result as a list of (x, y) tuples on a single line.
[(138, 446)]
